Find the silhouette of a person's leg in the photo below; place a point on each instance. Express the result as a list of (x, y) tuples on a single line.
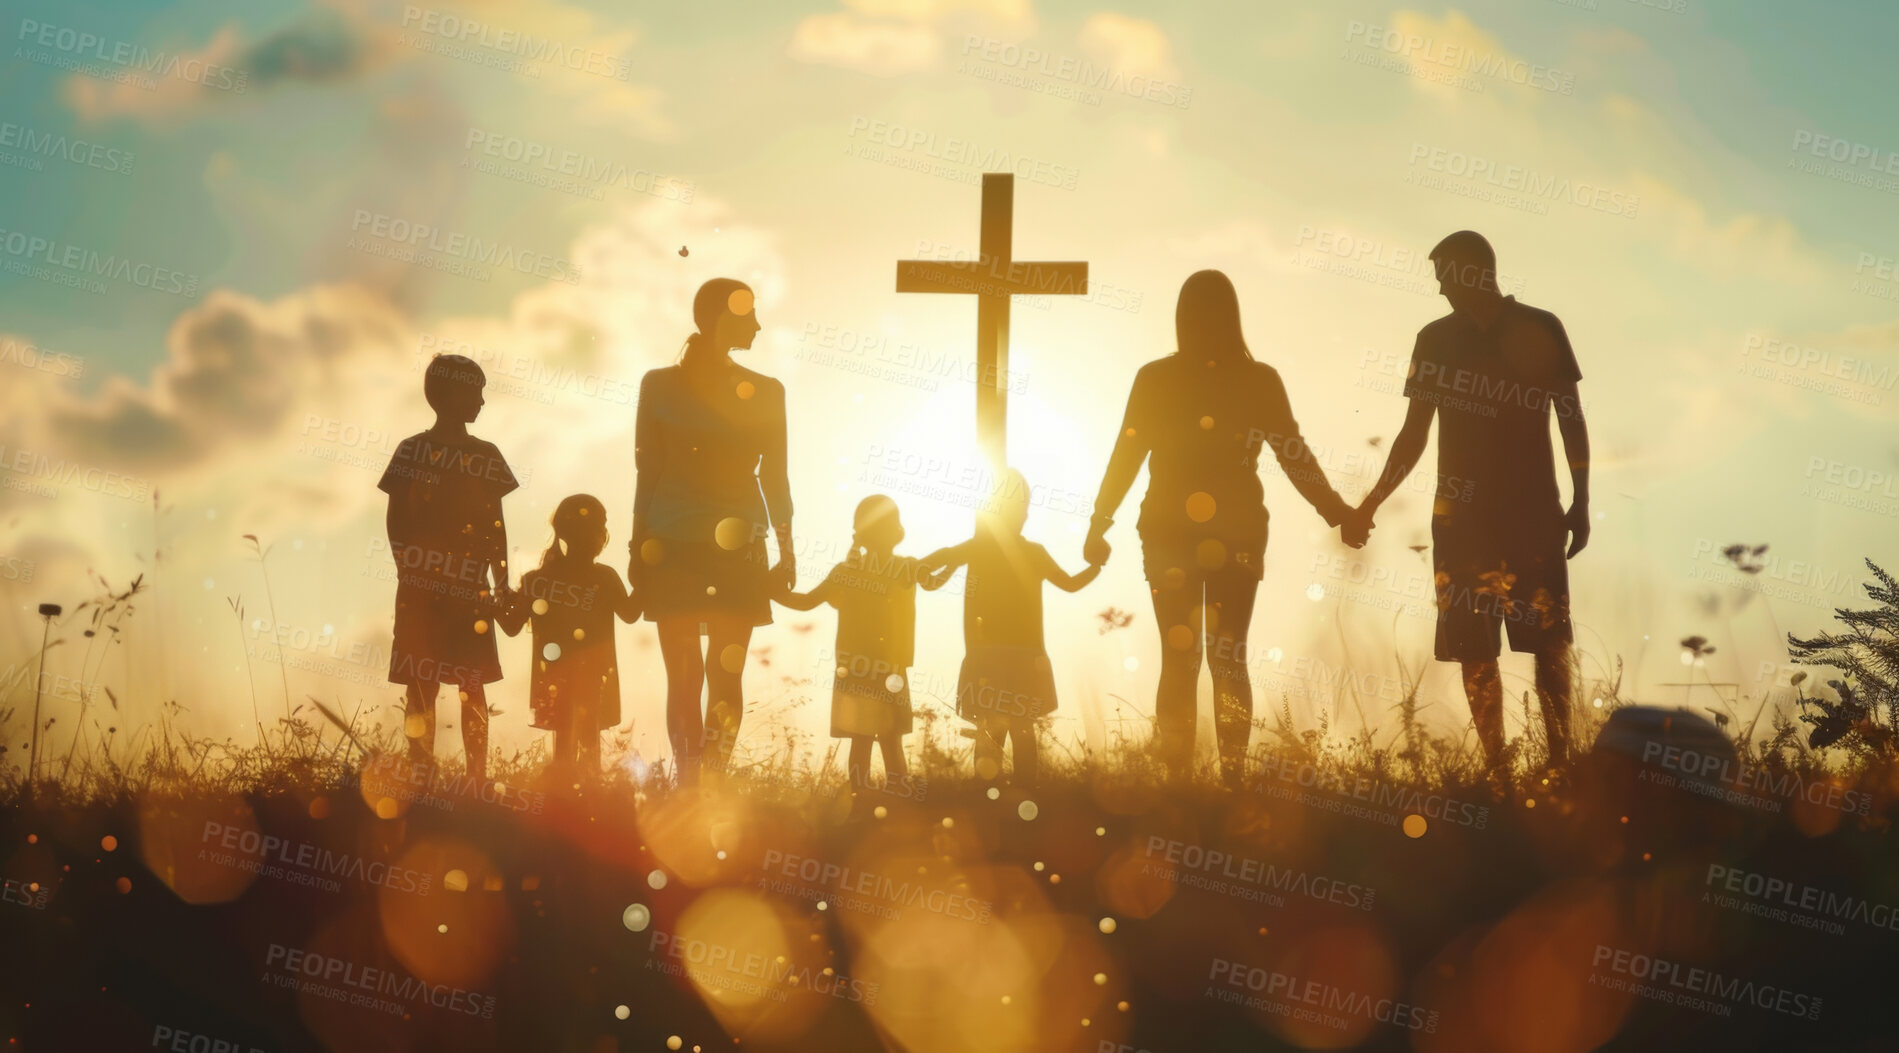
[(991, 733), (587, 739), (859, 765), (892, 746), (685, 681), (1027, 754), (474, 728), (728, 640), (1174, 699), (1552, 694), (1229, 617), (418, 707), (1484, 689)]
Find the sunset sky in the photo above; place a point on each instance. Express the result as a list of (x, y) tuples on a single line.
[(204, 220)]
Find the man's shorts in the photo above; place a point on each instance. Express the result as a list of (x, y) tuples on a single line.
[(1508, 573)]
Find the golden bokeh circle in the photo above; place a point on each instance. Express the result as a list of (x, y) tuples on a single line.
[(1201, 506), (731, 533), (740, 302)]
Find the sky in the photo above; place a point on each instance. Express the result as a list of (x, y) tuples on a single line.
[(228, 243)]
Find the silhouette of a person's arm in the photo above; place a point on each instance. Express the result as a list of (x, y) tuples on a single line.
[(512, 613), (1061, 579), (826, 592), (1405, 451), (1575, 433), (932, 579), (1295, 456), (1131, 447), (776, 483), (944, 561), (646, 456), (621, 600)]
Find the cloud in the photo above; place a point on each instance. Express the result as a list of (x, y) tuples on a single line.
[(1129, 45), (881, 48), (235, 368), (886, 38), (323, 47)]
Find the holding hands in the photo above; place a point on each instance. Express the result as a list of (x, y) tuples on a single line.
[(1356, 527)]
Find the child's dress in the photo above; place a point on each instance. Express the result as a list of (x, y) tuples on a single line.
[(1006, 672), (876, 601), (576, 669)]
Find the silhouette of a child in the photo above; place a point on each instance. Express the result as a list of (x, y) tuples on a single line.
[(571, 600), (1006, 684), (445, 532), (874, 591)]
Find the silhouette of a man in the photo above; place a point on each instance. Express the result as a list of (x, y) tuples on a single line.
[(1492, 371)]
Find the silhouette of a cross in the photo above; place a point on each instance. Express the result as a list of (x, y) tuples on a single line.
[(994, 277)]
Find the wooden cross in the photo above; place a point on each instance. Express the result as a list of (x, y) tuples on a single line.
[(994, 277)]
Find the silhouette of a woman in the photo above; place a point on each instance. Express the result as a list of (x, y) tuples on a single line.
[(709, 445), (1199, 417)]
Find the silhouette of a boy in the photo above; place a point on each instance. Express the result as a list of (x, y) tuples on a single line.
[(445, 531)]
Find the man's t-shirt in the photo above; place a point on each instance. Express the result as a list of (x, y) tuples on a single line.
[(449, 492), (1494, 389)]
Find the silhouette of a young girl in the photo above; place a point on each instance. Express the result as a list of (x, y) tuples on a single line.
[(1200, 418), (571, 601), (875, 593), (1006, 684), (709, 446)]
